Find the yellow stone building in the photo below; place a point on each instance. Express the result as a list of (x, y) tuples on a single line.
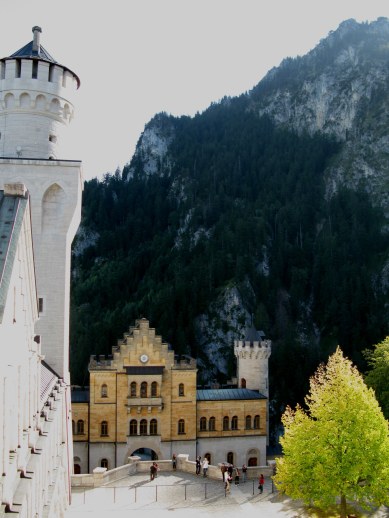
[(143, 400)]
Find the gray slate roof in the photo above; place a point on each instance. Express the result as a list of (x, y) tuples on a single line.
[(27, 52), (12, 209), (226, 394)]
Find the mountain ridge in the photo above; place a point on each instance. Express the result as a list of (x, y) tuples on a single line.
[(254, 211)]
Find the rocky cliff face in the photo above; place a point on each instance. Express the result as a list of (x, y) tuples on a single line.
[(340, 88)]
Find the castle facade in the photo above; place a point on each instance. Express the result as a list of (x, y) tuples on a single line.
[(144, 399)]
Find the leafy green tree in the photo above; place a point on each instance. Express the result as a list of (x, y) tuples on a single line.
[(337, 450), (378, 375)]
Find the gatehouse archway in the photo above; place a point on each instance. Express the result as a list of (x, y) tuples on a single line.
[(145, 454)]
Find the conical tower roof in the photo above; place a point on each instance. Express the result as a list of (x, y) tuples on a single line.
[(34, 50)]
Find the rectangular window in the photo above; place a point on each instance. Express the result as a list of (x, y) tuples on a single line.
[(40, 305)]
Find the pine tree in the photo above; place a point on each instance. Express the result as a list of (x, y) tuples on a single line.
[(337, 450)]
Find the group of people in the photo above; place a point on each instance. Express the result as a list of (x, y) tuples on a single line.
[(202, 464), (230, 473)]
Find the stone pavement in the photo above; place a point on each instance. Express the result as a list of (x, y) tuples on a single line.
[(182, 494)]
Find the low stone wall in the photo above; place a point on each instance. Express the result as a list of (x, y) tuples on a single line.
[(101, 476)]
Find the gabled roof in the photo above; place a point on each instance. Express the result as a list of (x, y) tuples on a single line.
[(226, 394), (28, 52)]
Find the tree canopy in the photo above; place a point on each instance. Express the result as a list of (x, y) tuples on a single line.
[(378, 375), (337, 450)]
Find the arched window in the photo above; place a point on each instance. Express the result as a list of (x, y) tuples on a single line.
[(153, 427), (80, 426), (143, 389), (104, 428), (143, 427), (230, 457), (104, 390), (257, 422), (248, 422), (234, 422), (225, 423), (243, 383), (154, 389), (203, 424), (208, 457), (253, 461), (181, 426), (181, 391), (133, 427), (104, 463), (211, 424), (74, 427), (77, 469), (133, 389)]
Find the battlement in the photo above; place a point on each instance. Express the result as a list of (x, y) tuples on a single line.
[(255, 349)]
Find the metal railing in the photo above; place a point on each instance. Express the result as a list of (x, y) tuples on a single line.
[(163, 493)]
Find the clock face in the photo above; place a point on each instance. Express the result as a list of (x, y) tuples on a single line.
[(144, 358)]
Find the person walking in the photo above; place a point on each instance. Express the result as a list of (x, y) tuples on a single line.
[(261, 482), (237, 475), (227, 483), (198, 465), (174, 461), (205, 466), (244, 473), (223, 469), (152, 471)]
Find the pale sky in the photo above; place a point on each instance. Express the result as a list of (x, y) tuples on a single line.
[(136, 58)]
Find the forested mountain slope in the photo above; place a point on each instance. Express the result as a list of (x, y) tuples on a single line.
[(268, 209)]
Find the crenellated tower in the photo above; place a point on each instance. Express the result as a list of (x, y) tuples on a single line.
[(36, 107), (253, 355)]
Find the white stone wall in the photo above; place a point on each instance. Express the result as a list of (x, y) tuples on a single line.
[(241, 447), (34, 458), (34, 112), (55, 188)]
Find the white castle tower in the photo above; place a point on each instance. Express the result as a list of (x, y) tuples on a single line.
[(253, 355), (36, 108)]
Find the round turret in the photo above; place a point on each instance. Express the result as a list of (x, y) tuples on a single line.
[(252, 364), (35, 102)]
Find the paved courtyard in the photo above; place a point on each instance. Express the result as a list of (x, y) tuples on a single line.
[(183, 494)]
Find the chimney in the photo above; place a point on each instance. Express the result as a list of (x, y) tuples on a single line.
[(36, 45)]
